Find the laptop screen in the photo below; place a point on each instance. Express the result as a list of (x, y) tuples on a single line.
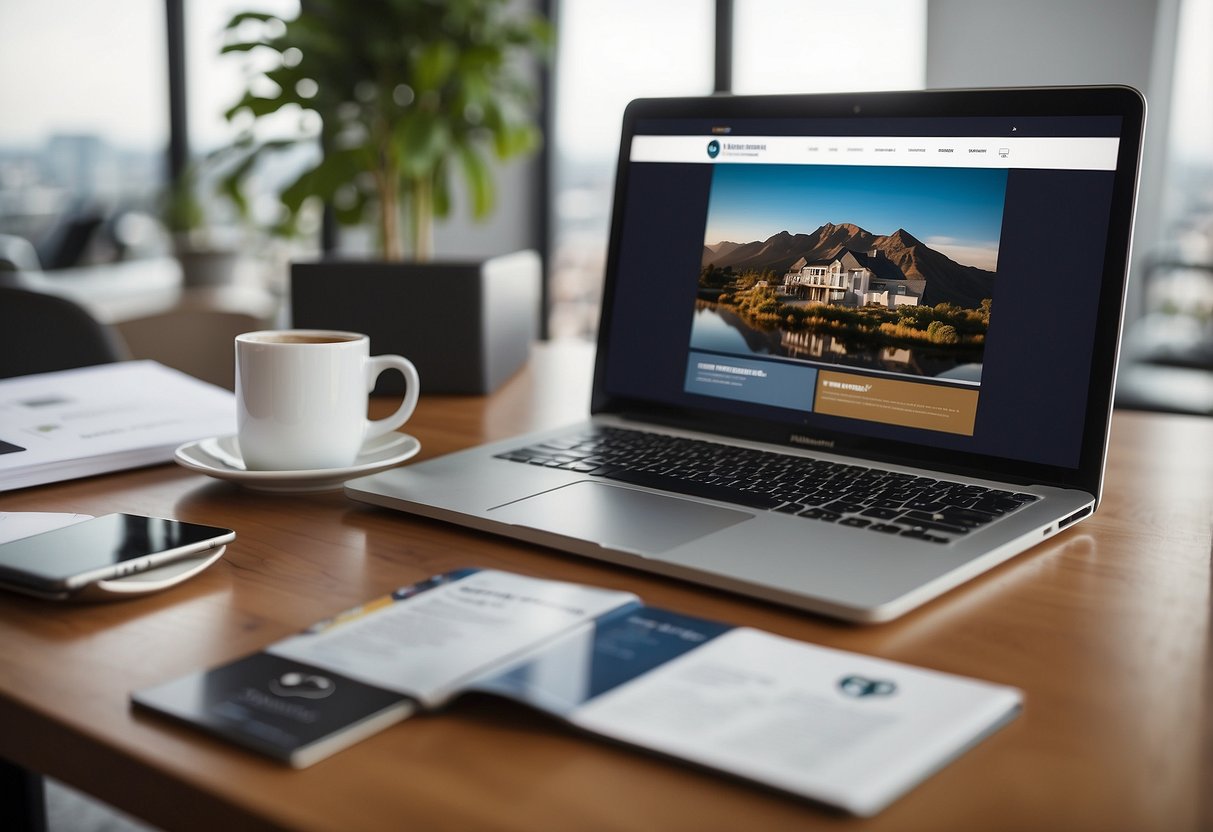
[(898, 275)]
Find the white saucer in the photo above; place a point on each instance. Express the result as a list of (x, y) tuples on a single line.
[(220, 457)]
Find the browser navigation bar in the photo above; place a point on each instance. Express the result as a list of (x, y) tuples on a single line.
[(1085, 153)]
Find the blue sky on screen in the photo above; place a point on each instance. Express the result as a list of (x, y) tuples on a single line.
[(955, 210)]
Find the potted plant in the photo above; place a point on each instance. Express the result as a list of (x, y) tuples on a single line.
[(409, 94), (203, 263)]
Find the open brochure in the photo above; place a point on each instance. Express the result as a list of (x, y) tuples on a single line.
[(90, 420), (836, 727)]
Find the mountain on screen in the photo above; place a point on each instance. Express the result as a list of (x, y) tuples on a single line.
[(947, 280)]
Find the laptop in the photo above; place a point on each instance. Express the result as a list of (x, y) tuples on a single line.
[(854, 349)]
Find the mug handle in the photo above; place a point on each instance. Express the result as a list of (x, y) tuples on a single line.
[(376, 365)]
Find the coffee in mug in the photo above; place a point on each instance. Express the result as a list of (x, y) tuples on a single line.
[(301, 397)]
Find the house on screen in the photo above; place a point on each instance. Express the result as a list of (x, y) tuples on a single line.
[(853, 278)]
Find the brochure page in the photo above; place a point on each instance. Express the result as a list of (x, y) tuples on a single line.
[(837, 727), (428, 644), (598, 657)]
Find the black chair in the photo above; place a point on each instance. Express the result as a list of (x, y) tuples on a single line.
[(40, 333)]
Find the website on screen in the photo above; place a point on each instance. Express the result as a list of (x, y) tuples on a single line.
[(931, 287)]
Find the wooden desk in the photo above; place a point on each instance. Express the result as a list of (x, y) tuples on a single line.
[(1106, 628)]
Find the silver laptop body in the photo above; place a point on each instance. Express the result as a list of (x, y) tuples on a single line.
[(902, 307)]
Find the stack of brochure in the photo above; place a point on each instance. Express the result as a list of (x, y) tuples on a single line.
[(836, 727), (73, 423)]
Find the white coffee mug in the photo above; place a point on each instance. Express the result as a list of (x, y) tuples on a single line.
[(301, 397)]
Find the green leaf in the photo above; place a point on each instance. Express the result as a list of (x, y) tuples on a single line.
[(257, 105), (434, 64), (335, 170), (307, 185), (419, 142), (442, 191), (231, 184), (247, 46), (479, 179), (517, 139), (241, 17), (352, 214)]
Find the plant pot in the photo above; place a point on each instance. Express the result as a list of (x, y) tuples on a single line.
[(207, 267), (467, 326)]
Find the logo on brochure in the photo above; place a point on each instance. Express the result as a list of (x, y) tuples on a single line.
[(713, 149), (859, 687), (303, 685)]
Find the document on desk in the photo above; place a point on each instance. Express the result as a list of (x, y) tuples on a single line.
[(90, 420), (833, 726), (836, 727), (430, 644)]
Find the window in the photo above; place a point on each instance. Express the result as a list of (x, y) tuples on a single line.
[(789, 46), (608, 54), (214, 83), (1188, 210), (611, 53), (83, 141), (1167, 360)]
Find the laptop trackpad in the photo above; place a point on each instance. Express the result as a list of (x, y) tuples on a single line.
[(618, 517)]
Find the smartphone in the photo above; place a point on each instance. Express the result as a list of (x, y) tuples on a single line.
[(62, 561)]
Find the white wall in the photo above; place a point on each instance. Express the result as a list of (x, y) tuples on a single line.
[(990, 43), (511, 226)]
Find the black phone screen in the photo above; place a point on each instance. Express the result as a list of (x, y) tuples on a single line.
[(96, 544)]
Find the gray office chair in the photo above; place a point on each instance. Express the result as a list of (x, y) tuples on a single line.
[(1167, 356), (40, 333), (17, 255)]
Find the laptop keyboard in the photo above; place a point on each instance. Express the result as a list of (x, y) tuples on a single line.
[(886, 502)]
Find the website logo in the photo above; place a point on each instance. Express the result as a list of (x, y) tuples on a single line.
[(307, 686), (713, 149), (859, 687)]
